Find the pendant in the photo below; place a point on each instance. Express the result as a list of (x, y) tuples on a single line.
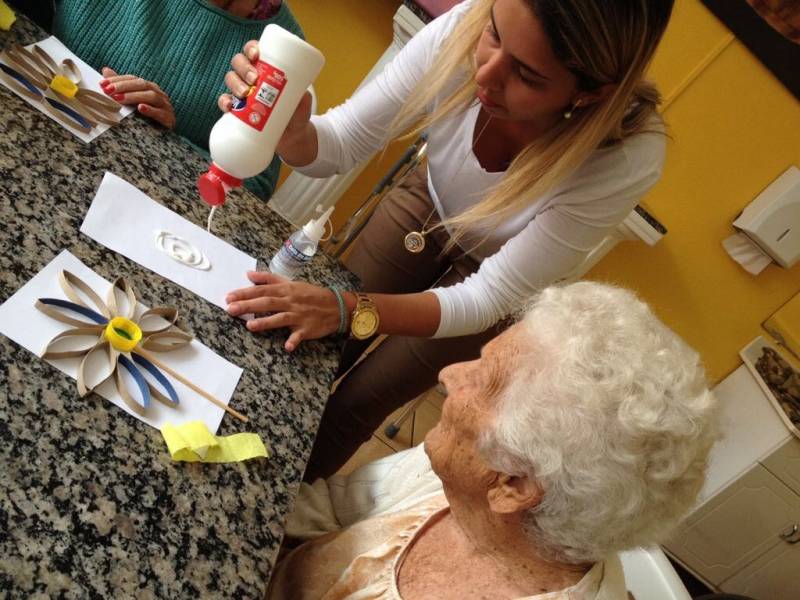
[(414, 242)]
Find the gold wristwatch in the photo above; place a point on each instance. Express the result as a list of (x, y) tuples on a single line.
[(365, 319)]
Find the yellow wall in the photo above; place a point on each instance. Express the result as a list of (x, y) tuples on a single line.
[(352, 34), (734, 129)]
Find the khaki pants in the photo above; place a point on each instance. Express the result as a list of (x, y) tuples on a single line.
[(400, 368)]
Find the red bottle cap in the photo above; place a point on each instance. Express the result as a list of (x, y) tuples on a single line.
[(214, 183)]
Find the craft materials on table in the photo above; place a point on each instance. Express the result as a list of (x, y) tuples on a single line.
[(193, 442), (49, 77), (242, 143), (191, 367), (125, 220), (7, 16), (180, 250)]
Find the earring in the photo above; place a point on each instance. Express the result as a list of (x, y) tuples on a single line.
[(571, 109)]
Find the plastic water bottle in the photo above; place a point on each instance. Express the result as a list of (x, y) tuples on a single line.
[(300, 248), (242, 143)]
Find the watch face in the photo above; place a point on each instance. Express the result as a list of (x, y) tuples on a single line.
[(365, 323)]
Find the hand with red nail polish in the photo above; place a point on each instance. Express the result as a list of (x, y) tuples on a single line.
[(148, 98)]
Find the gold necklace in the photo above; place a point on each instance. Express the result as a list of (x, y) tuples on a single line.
[(414, 241)]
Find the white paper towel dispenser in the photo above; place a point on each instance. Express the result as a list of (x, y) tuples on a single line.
[(772, 220)]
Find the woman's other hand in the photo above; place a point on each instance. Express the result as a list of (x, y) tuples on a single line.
[(309, 311), (150, 100)]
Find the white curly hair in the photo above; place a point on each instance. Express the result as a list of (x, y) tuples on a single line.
[(609, 411)]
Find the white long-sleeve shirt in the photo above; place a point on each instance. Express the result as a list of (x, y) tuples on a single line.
[(529, 250)]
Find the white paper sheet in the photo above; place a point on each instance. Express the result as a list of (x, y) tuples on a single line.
[(20, 321), (91, 81), (126, 220)]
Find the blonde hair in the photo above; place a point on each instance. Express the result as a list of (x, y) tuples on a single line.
[(608, 42)]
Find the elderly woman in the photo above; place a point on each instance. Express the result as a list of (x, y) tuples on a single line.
[(581, 431)]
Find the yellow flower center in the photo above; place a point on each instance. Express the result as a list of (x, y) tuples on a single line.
[(123, 334)]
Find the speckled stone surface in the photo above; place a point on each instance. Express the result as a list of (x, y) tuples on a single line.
[(91, 506)]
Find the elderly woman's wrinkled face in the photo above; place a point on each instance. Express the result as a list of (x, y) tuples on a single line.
[(472, 392)]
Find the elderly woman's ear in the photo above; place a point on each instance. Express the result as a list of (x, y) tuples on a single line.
[(510, 494)]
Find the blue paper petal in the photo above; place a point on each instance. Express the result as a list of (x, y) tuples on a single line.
[(138, 377), (86, 312), (22, 79), (69, 112), (160, 377)]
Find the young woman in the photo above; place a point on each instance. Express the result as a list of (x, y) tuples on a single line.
[(543, 136), (165, 58)]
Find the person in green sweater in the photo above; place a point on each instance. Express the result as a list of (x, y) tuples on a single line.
[(168, 57)]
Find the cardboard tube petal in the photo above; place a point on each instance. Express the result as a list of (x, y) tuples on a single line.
[(161, 319), (167, 341), (92, 333), (102, 347), (130, 297), (70, 282)]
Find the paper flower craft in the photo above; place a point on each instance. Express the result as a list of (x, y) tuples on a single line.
[(110, 330), (35, 75)]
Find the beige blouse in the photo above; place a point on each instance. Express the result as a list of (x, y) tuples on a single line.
[(362, 561)]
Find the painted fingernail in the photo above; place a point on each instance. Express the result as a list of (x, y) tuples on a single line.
[(251, 77), (142, 108), (104, 83), (118, 97), (109, 89)]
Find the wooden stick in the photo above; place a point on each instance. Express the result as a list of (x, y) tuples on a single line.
[(190, 385)]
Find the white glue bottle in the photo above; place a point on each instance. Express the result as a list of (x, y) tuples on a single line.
[(242, 143), (300, 248)]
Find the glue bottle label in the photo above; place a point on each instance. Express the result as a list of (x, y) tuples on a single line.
[(257, 107), (290, 259)]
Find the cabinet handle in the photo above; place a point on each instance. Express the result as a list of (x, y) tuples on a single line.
[(790, 534)]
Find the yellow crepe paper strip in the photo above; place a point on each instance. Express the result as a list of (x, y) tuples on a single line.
[(123, 334), (7, 16), (193, 442), (64, 86)]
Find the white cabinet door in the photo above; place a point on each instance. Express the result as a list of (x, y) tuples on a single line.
[(784, 463), (773, 576), (736, 526)]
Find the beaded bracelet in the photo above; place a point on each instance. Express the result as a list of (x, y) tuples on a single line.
[(342, 310)]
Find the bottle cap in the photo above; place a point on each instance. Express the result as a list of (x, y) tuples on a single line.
[(214, 184), (316, 227)]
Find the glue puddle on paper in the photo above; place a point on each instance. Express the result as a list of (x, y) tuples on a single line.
[(180, 250), (125, 220), (21, 322), (91, 80)]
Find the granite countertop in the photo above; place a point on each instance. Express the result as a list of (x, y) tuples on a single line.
[(91, 504)]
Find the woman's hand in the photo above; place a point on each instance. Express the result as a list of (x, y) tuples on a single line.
[(150, 100), (309, 311), (244, 75)]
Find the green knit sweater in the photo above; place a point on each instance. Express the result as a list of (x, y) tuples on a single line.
[(185, 46)]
